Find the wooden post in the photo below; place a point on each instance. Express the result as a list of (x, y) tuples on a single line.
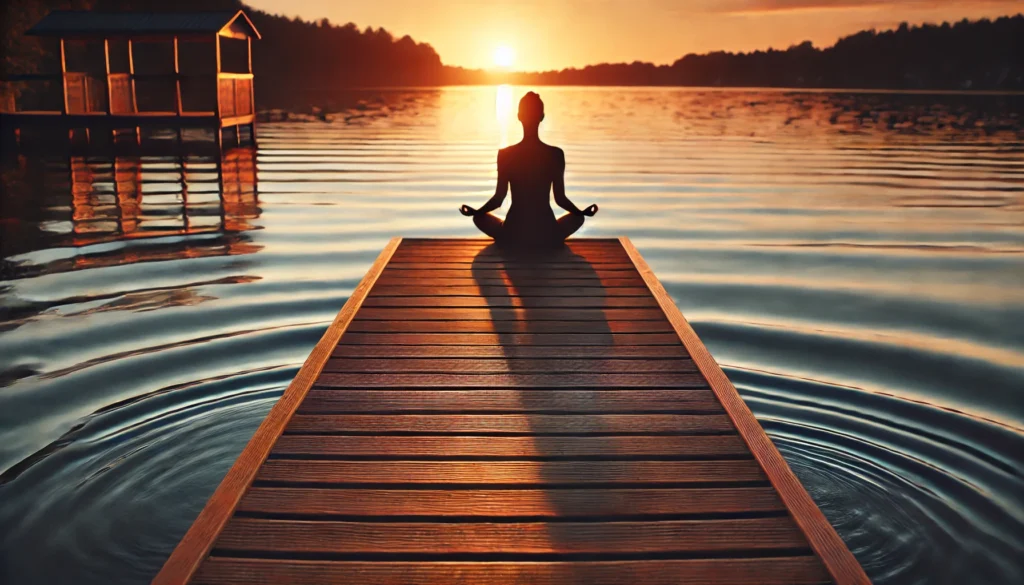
[(131, 75), (177, 80), (217, 111), (216, 41), (64, 75), (131, 81), (106, 64), (252, 95)]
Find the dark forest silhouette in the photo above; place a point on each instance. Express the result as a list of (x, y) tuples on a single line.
[(299, 64), (967, 55)]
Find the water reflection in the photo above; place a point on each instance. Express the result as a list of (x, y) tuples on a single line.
[(504, 112), (76, 203), (855, 261)]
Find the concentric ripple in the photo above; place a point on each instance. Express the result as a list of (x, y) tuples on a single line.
[(861, 281)]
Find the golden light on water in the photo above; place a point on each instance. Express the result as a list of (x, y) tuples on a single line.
[(504, 112)]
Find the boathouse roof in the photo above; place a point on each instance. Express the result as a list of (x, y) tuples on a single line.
[(82, 23)]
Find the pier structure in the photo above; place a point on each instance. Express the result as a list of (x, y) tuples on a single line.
[(478, 416), (111, 93)]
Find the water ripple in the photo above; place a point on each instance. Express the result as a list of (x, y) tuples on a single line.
[(862, 282)]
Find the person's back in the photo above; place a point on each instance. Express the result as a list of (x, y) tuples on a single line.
[(532, 169)]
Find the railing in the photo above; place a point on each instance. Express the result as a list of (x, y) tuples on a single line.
[(127, 94), (85, 94), (122, 100), (235, 91)]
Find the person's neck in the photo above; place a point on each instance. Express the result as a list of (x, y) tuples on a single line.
[(531, 134)]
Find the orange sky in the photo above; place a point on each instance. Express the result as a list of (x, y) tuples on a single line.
[(552, 34)]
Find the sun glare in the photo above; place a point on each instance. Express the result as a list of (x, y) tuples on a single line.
[(504, 56)]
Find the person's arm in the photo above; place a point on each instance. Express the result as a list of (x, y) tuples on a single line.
[(500, 192), (559, 187)]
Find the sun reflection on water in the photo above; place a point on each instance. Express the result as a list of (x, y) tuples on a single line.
[(503, 112)]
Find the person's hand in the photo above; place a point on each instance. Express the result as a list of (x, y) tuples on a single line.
[(467, 211), (590, 211)]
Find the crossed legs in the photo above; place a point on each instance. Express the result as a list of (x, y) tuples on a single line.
[(568, 224)]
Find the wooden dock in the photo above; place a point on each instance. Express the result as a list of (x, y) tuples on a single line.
[(477, 417)]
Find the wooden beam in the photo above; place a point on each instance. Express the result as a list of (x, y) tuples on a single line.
[(64, 76), (838, 559), (131, 75), (216, 41), (252, 91), (199, 539), (177, 79)]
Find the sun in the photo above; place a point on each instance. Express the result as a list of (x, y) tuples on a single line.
[(504, 56)]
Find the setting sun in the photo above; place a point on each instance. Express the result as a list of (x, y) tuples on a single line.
[(504, 56)]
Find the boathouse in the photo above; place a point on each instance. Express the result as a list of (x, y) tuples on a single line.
[(139, 81)]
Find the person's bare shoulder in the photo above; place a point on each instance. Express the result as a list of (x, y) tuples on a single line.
[(504, 154), (558, 155)]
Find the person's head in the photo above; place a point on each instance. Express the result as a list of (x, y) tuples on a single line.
[(531, 109)]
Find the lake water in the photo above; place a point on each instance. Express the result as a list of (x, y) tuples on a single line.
[(854, 261)]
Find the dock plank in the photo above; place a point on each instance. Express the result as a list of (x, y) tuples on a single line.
[(588, 380), (594, 328), (495, 473), (522, 538), (506, 365), (509, 401), (531, 339), (512, 447), (511, 423), (475, 416), (500, 504), (805, 570), (610, 352), (528, 303)]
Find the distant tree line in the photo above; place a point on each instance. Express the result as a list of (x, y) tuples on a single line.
[(968, 55), (300, 63)]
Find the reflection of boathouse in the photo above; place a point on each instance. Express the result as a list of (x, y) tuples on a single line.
[(134, 72), (127, 197), (80, 201)]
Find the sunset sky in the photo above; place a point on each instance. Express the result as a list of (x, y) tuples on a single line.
[(552, 34)]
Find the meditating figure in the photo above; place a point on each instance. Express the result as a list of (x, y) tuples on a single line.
[(531, 167)]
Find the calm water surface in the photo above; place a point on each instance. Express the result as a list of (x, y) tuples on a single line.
[(854, 261)]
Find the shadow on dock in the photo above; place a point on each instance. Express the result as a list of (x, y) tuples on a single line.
[(561, 482)]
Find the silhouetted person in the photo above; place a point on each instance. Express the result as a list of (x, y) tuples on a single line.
[(531, 167)]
